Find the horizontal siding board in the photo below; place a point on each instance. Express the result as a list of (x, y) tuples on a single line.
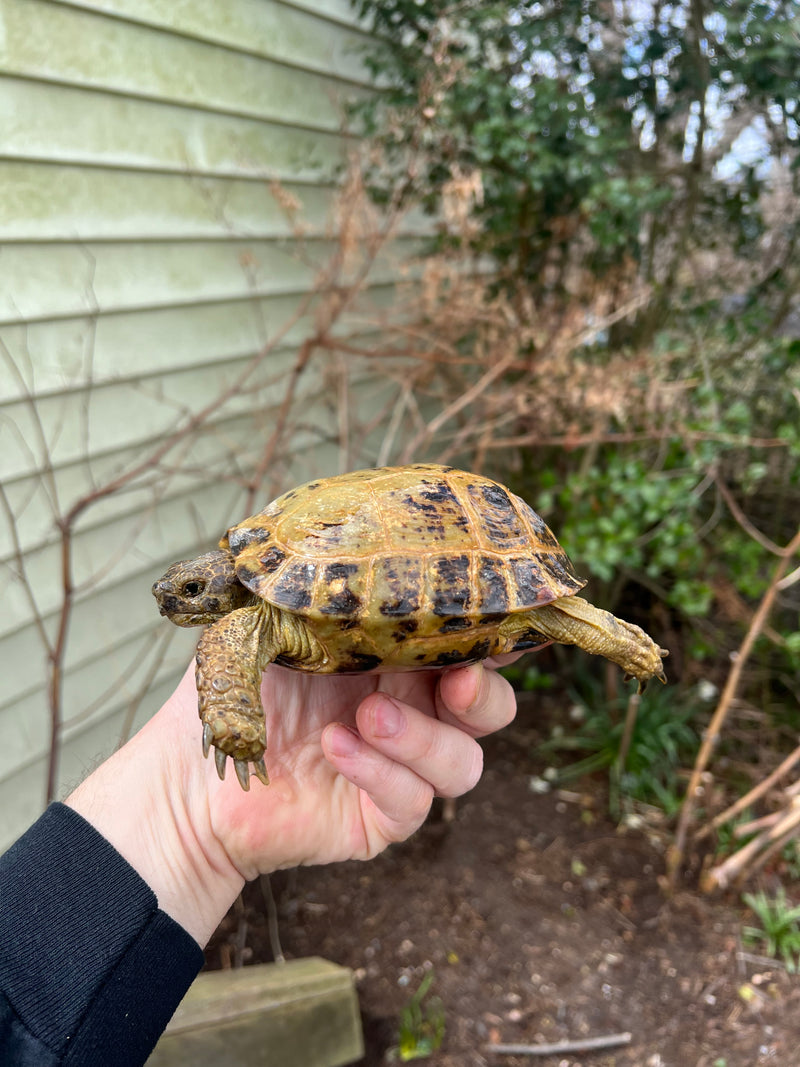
[(143, 62), (62, 124), (83, 204), (54, 359), (70, 203), (260, 27), (87, 421), (42, 282), (337, 11)]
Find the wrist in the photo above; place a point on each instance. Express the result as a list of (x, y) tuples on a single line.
[(149, 800)]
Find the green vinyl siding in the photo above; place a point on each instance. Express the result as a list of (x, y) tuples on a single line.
[(146, 257)]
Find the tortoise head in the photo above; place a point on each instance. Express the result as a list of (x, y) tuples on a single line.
[(197, 591)]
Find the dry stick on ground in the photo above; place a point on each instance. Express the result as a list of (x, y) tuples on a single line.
[(581, 1044), (751, 797), (711, 736), (735, 867)]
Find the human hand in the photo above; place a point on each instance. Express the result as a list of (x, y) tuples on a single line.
[(354, 761)]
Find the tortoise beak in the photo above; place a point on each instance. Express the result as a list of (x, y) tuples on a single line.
[(165, 595)]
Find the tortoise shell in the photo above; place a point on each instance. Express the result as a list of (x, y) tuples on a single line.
[(402, 566)]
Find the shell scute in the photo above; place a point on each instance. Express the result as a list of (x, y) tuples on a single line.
[(294, 587), (529, 581), (341, 590), (498, 520), (397, 586), (449, 584), (492, 587)]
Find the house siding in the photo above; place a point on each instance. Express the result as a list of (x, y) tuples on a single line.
[(167, 173)]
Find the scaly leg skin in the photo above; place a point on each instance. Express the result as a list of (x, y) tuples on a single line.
[(574, 621), (230, 657)]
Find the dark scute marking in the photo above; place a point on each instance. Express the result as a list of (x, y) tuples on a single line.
[(339, 570), (441, 496), (560, 568), (493, 618), (454, 624), (540, 527), (238, 540), (531, 588), (492, 586), (404, 605), (360, 661), (451, 593), (344, 603), (496, 497), (414, 504), (530, 639), (249, 573), (498, 516), (293, 589), (272, 559), (480, 650), (403, 581), (447, 659), (348, 623), (408, 626)]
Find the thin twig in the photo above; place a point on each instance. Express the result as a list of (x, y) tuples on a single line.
[(743, 521), (581, 1044), (741, 862), (750, 797)]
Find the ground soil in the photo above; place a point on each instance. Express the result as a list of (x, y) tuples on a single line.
[(542, 920)]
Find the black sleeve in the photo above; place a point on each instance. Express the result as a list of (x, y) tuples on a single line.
[(90, 969)]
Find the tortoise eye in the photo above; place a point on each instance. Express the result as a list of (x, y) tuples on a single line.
[(192, 589)]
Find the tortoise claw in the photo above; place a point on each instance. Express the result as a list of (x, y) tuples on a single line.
[(220, 759), (260, 771), (242, 773), (208, 737), (240, 766)]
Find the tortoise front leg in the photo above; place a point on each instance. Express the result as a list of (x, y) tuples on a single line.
[(230, 657)]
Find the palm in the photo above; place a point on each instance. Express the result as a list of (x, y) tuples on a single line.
[(309, 813)]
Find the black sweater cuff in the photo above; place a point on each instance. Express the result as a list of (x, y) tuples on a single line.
[(90, 968)]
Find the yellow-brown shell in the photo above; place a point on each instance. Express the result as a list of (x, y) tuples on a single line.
[(401, 553)]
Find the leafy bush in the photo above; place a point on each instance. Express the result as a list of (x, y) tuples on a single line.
[(662, 742)]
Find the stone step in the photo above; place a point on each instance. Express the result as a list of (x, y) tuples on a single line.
[(302, 1013)]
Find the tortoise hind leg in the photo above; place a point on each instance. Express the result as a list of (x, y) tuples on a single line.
[(229, 660), (571, 620)]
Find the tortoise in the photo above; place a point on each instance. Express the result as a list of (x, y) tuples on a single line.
[(385, 569)]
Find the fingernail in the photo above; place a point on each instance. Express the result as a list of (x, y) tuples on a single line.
[(476, 670), (389, 719), (343, 741)]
